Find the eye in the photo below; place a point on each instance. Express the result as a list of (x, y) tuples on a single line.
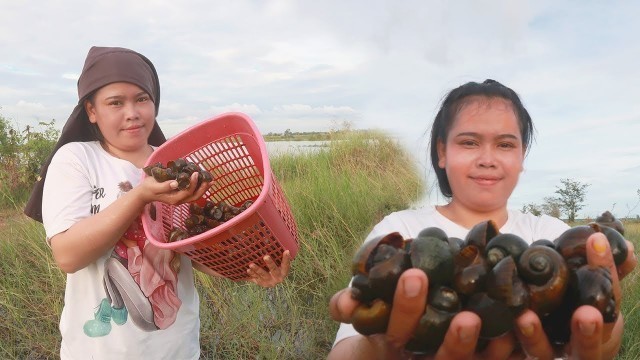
[(115, 102), (507, 145), (468, 143), (144, 98)]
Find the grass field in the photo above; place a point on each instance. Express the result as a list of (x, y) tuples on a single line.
[(336, 197)]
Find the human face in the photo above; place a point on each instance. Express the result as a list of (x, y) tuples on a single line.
[(125, 116), (483, 155)]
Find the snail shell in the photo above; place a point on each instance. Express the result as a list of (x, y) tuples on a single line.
[(480, 234), (503, 245), (371, 319), (607, 219), (363, 259), (377, 266), (433, 256), (442, 306), (384, 275), (495, 315), (547, 276), (572, 244), (471, 271), (504, 284), (594, 287)]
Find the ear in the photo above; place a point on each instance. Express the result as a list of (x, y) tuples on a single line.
[(91, 111), (441, 154)]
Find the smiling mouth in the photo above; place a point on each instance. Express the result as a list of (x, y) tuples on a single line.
[(485, 180)]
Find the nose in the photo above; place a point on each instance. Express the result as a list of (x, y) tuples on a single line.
[(131, 110), (486, 157)]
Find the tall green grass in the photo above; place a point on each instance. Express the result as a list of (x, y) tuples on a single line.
[(336, 197), (631, 302), (31, 292)]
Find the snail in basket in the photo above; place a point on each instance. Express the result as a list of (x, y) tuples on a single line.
[(495, 275), (179, 170), (207, 217)]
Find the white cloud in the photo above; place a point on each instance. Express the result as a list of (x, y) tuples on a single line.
[(379, 64)]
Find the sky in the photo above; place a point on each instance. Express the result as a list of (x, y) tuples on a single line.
[(316, 65)]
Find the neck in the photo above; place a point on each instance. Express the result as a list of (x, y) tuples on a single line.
[(467, 217), (136, 157)]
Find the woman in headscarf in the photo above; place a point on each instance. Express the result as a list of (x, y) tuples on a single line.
[(120, 289)]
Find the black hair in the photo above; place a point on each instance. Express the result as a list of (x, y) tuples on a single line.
[(451, 106)]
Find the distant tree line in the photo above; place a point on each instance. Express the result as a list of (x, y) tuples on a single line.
[(23, 150), (569, 200)]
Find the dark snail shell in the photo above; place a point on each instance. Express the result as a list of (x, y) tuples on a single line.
[(607, 219), (594, 287), (377, 266), (361, 288), (434, 232), (442, 306), (503, 284), (456, 244), (384, 275), (470, 271), (617, 243), (503, 245), (161, 175), (547, 276), (572, 244), (495, 315), (371, 319), (363, 259), (544, 242), (480, 234), (435, 257)]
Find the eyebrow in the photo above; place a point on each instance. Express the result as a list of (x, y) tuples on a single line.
[(477, 135), (120, 96)]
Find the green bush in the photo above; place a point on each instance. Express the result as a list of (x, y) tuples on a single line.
[(22, 153)]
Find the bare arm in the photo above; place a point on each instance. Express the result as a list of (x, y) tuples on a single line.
[(72, 251)]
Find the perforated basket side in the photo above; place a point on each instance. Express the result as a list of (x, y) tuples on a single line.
[(266, 232), (230, 148)]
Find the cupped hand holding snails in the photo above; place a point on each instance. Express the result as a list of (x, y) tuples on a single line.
[(168, 191), (408, 306), (275, 275), (591, 338)]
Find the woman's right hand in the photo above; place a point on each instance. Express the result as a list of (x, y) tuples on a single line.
[(168, 192), (408, 306)]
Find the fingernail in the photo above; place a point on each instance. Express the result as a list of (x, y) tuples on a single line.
[(174, 184), (600, 245), (587, 328), (412, 287), (527, 330)]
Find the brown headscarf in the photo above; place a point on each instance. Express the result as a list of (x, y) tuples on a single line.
[(103, 66)]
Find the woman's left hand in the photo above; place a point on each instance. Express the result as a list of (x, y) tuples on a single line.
[(591, 338), (275, 275)]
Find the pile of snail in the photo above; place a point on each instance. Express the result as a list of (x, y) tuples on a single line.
[(207, 217), (495, 275), (179, 170)]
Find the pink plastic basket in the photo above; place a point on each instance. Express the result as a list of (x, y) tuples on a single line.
[(232, 149)]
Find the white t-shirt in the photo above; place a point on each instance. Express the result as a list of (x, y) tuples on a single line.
[(82, 180), (410, 222)]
